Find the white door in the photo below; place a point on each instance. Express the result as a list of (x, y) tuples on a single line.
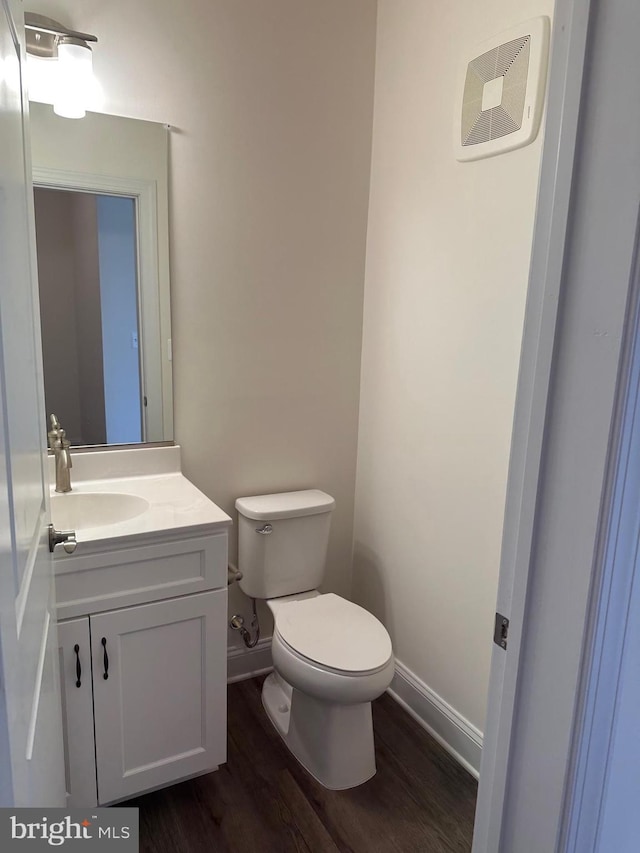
[(159, 684), (31, 764), (583, 292), (77, 712)]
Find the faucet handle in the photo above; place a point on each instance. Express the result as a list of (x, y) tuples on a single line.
[(57, 436), (56, 432)]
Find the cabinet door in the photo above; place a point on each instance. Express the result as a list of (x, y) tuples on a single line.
[(160, 699), (77, 712)]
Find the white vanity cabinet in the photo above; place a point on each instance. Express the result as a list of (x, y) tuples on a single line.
[(151, 706), (74, 648), (160, 703)]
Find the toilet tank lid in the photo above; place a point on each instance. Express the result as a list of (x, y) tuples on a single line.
[(285, 505)]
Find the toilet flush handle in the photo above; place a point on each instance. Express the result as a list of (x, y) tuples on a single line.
[(264, 530)]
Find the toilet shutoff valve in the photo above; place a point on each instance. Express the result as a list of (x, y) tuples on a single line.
[(236, 623)]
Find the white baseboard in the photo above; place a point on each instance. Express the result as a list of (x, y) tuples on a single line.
[(244, 663), (458, 736)]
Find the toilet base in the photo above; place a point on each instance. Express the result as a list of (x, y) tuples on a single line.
[(334, 743)]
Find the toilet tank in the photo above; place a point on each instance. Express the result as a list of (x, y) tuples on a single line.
[(282, 542)]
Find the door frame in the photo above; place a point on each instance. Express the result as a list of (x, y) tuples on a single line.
[(610, 652), (566, 431), (567, 61)]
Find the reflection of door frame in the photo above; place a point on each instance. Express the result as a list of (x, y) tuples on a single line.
[(150, 310)]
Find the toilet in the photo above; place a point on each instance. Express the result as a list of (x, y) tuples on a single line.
[(331, 657)]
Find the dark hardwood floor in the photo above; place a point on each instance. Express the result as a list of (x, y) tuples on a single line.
[(420, 800)]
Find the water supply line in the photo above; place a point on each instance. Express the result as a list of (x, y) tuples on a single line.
[(233, 574), (237, 624)]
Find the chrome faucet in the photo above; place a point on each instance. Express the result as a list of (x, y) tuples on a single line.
[(60, 444)]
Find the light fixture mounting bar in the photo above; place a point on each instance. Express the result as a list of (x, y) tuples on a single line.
[(40, 23), (43, 35)]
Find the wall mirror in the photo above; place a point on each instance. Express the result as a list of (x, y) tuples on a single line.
[(101, 211)]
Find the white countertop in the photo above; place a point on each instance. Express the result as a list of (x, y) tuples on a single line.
[(175, 504)]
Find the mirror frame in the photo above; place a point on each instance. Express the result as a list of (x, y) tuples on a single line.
[(150, 193)]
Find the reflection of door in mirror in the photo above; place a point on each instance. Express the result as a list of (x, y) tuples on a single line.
[(87, 268)]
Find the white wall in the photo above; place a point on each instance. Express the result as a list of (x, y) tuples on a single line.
[(271, 105), (447, 263)]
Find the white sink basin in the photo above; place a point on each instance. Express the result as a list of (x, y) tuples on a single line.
[(80, 510)]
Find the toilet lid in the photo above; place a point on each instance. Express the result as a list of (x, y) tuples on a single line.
[(334, 632)]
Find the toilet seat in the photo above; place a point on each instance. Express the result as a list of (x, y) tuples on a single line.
[(303, 660), (333, 633), (326, 684)]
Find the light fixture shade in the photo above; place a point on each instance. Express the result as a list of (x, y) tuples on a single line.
[(75, 76), (42, 79)]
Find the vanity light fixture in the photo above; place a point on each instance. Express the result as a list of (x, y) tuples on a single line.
[(49, 40)]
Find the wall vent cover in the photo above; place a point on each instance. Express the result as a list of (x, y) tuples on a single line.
[(502, 92)]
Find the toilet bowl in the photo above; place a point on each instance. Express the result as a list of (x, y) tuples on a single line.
[(331, 660), (331, 657), (330, 684), (330, 648)]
